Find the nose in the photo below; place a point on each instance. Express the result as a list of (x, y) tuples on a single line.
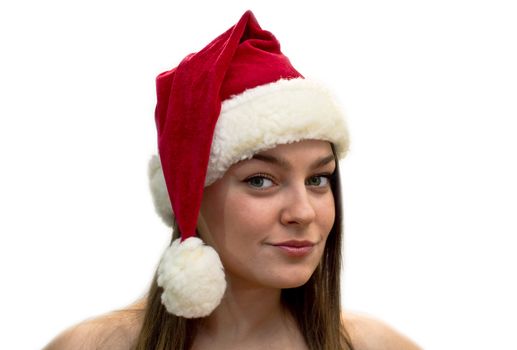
[(297, 209)]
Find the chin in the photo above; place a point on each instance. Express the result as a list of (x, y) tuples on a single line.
[(294, 284), (293, 279)]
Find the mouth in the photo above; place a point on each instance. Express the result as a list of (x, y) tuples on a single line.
[(295, 248), (294, 244)]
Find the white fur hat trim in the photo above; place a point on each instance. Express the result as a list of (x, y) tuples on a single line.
[(161, 201), (258, 119), (192, 277), (281, 112)]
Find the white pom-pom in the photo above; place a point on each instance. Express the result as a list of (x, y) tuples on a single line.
[(162, 203), (192, 277)]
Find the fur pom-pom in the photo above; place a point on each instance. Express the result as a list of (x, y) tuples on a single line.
[(192, 277), (162, 203)]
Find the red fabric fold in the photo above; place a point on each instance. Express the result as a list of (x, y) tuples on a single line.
[(189, 102)]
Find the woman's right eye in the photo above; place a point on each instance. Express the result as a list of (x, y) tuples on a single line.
[(259, 182)]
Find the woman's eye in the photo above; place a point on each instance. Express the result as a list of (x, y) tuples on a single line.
[(318, 181), (260, 182)]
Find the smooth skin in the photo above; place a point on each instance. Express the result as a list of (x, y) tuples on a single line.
[(280, 195)]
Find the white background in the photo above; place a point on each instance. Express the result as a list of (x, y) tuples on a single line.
[(429, 186)]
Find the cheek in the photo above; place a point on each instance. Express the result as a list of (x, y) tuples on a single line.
[(249, 218), (326, 213), (238, 219)]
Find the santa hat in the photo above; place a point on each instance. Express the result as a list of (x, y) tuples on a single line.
[(237, 96)]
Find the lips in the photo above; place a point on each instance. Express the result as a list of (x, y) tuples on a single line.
[(295, 248), (294, 244)]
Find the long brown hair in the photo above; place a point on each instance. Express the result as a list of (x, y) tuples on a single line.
[(315, 306)]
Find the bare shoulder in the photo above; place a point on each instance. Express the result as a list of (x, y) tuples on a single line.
[(114, 331), (367, 333)]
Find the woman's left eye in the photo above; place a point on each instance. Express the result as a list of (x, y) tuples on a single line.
[(318, 181)]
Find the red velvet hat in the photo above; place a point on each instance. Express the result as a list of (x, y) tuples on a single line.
[(237, 96)]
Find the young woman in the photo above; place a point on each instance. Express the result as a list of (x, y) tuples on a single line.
[(248, 178)]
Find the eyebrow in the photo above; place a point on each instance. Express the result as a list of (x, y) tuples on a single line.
[(283, 163)]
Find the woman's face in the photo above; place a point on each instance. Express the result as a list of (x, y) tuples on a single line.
[(269, 216)]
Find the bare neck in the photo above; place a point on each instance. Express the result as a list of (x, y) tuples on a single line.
[(248, 315)]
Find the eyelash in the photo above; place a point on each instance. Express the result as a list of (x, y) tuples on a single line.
[(259, 175), (327, 176)]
